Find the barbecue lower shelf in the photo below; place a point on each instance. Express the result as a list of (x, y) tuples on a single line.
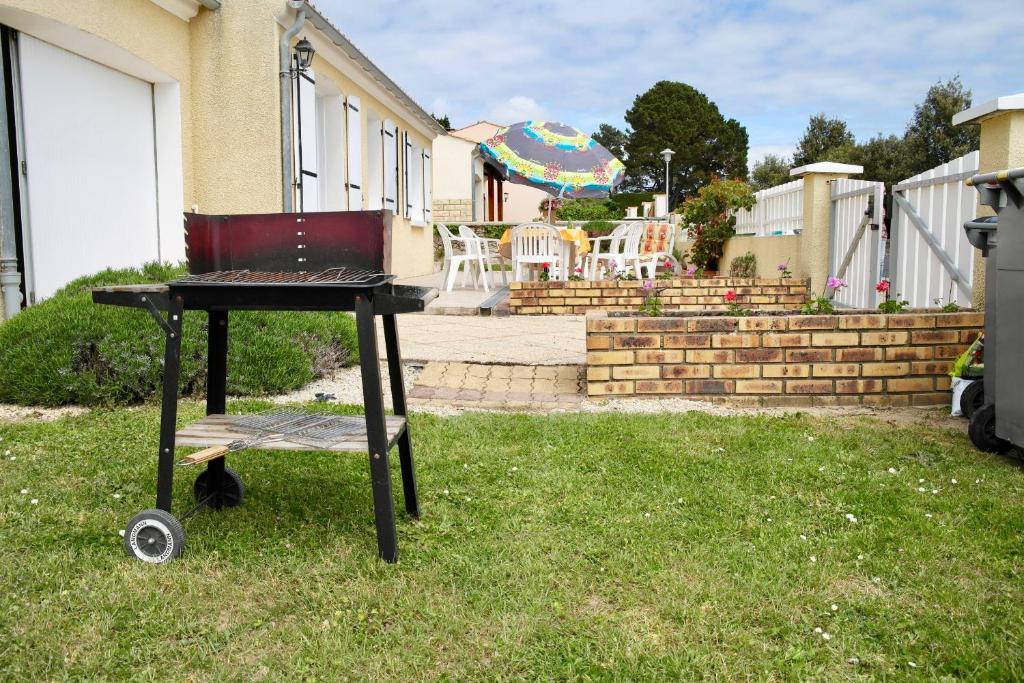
[(215, 430)]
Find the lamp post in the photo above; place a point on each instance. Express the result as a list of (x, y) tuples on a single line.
[(666, 154)]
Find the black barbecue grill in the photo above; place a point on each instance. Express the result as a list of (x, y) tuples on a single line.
[(332, 261)]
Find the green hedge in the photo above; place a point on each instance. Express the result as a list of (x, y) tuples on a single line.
[(68, 350)]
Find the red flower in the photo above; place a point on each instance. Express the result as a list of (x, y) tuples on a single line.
[(730, 296), (882, 287), (545, 266)]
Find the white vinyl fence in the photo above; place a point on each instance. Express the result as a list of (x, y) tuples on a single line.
[(930, 258), (779, 211), (856, 251)]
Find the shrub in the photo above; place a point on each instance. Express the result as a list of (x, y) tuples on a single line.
[(588, 210), (599, 228), (624, 200), (743, 266), (710, 219), (67, 349)]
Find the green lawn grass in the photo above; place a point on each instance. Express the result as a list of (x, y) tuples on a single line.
[(601, 547)]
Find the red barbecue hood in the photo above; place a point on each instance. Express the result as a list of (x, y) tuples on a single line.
[(296, 242)]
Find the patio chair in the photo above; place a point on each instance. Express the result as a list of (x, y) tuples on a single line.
[(486, 250), (656, 247), (534, 244), (453, 259), (623, 249)]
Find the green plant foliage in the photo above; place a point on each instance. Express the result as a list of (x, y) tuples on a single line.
[(678, 116), (599, 228), (822, 140), (744, 266), (896, 305), (624, 200), (708, 214), (588, 210), (819, 305), (67, 349), (770, 171)]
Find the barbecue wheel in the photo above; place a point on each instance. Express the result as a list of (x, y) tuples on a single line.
[(231, 493), (982, 431), (154, 536), (972, 398)]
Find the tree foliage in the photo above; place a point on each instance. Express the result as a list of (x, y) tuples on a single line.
[(770, 171), (709, 218), (612, 139), (706, 144), (588, 210), (824, 139), (931, 136), (442, 121)]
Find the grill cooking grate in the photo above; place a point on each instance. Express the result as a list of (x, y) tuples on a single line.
[(331, 276)]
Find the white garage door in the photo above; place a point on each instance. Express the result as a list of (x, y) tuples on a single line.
[(91, 166)]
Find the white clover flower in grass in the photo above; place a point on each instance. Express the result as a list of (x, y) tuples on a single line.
[(24, 491), (817, 629), (928, 515), (851, 518), (834, 607), (445, 492), (810, 438), (921, 489), (912, 665), (34, 501), (952, 481), (860, 557), (825, 635), (803, 537), (814, 558), (892, 470)]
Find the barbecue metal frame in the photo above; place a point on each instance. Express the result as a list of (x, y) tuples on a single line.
[(217, 298)]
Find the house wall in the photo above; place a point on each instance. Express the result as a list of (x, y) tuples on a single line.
[(453, 180), (413, 251), (225, 65)]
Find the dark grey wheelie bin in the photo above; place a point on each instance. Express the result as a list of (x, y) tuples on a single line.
[(1004, 311)]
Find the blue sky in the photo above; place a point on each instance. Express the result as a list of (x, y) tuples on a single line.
[(769, 64)]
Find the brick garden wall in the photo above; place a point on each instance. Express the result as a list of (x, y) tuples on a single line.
[(685, 294), (784, 360)]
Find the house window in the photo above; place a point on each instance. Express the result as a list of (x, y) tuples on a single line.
[(374, 161)]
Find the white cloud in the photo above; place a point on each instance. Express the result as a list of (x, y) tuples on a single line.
[(769, 64), (515, 109)]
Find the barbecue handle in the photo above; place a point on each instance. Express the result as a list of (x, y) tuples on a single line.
[(211, 453)]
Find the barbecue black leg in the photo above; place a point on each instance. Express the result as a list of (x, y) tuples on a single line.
[(169, 404), (412, 505), (216, 393), (376, 431)]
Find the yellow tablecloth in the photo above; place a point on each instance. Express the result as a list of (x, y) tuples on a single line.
[(577, 236)]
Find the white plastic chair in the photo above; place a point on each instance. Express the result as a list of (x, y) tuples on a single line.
[(623, 249), (453, 260), (486, 251), (611, 245), (534, 244)]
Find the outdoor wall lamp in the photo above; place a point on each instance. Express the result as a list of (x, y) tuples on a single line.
[(304, 52), (506, 197)]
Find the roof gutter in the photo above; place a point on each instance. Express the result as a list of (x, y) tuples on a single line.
[(287, 169), (321, 23)]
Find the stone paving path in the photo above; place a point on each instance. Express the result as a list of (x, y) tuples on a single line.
[(523, 387), (518, 340)]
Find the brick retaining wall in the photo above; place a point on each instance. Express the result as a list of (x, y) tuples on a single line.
[(684, 294), (783, 360)]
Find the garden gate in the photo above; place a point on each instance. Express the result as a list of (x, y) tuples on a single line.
[(856, 252), (932, 261)]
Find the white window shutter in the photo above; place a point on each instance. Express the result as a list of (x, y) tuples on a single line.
[(406, 166), (428, 187), (306, 176), (355, 154), (390, 167)]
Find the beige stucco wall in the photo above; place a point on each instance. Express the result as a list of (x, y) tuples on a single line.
[(815, 236), (453, 169), (226, 64), (770, 252), (1002, 147)]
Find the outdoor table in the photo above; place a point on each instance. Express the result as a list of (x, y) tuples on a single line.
[(574, 241)]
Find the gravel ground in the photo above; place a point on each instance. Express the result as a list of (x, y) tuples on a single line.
[(347, 386), (12, 413)]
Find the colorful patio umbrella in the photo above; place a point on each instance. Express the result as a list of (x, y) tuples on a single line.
[(556, 158)]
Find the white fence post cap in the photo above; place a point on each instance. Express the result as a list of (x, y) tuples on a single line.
[(989, 109), (827, 167)]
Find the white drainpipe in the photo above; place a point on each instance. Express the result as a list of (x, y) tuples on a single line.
[(287, 169), (10, 278)]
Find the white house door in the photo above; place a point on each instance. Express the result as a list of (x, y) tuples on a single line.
[(89, 173)]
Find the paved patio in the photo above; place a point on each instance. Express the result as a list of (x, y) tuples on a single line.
[(514, 340), (461, 300)]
